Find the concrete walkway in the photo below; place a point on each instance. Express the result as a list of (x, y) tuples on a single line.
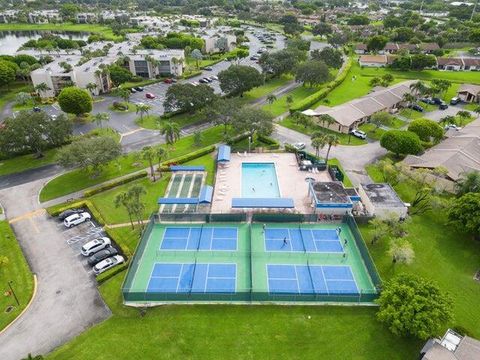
[(67, 301)]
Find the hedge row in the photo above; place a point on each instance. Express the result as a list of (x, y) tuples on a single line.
[(237, 138), (187, 157), (57, 209), (272, 143), (193, 74), (322, 93), (115, 183), (111, 273)]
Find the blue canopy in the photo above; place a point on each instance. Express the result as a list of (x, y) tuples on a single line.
[(223, 153), (262, 203), (206, 194), (177, 201), (187, 168)]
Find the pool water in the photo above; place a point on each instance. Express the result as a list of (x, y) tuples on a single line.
[(259, 180)]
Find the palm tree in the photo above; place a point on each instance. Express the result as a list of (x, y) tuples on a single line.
[(318, 142), (331, 140), (171, 130), (477, 110), (464, 116), (326, 119), (41, 88), (99, 118), (271, 99), (161, 154), (289, 100), (123, 93), (409, 99), (468, 182), (447, 120), (91, 87), (418, 88), (143, 109), (148, 154)]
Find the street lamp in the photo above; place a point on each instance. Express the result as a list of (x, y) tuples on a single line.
[(13, 292), (249, 143)]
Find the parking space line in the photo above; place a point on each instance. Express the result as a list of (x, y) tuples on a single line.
[(27, 216)]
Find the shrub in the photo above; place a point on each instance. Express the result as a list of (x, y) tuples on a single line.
[(57, 209), (426, 129), (74, 100), (115, 183), (111, 273), (401, 142), (190, 156), (272, 143)]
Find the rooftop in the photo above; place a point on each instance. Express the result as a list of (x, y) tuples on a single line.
[(382, 195), (331, 192)]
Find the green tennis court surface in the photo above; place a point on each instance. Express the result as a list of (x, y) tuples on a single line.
[(240, 262)]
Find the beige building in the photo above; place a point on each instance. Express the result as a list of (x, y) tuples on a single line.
[(381, 200)]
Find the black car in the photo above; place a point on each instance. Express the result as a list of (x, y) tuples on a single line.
[(208, 68), (36, 109), (138, 88), (101, 255), (416, 107), (67, 213), (443, 106), (437, 101)]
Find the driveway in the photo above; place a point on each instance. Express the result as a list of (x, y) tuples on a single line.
[(67, 301), (353, 158), (438, 114)]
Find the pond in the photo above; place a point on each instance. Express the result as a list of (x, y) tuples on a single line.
[(10, 41)]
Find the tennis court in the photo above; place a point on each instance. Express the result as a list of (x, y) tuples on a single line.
[(196, 278), (249, 263), (303, 239), (311, 279), (199, 238)]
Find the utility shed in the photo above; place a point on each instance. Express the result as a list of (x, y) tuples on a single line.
[(381, 200)]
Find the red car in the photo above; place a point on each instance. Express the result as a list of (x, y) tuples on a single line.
[(150, 96), (168, 81)]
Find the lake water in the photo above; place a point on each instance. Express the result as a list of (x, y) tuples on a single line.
[(10, 41)]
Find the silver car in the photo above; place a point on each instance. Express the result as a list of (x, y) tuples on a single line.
[(109, 263), (95, 245)]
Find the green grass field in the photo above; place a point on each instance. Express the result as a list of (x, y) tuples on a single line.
[(441, 253), (281, 106), (17, 271), (244, 332), (150, 121), (78, 179), (7, 93), (26, 162), (345, 139)]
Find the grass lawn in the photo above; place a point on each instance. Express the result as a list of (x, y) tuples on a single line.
[(345, 139), (17, 271), (280, 105), (396, 123), (372, 131), (185, 119), (78, 179), (267, 88), (104, 201), (131, 108), (346, 180), (90, 28), (411, 114), (26, 162), (441, 253), (244, 332), (7, 94)]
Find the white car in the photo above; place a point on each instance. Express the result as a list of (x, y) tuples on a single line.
[(76, 219), (299, 146), (452, 127), (106, 264), (95, 245), (358, 133)]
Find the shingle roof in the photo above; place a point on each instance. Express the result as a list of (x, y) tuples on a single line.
[(469, 88), (377, 59)]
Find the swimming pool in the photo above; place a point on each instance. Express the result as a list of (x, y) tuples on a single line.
[(259, 180)]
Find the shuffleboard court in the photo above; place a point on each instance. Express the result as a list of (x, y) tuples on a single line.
[(192, 278), (303, 239), (200, 238), (311, 279)]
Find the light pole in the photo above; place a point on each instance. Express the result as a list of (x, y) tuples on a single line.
[(249, 143), (13, 292)]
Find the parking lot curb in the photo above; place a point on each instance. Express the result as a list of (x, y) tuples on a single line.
[(26, 307)]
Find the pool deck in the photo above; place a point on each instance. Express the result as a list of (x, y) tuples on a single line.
[(291, 181)]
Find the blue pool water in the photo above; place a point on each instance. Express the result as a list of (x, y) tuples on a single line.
[(259, 180)]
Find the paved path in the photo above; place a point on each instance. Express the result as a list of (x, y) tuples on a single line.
[(67, 300)]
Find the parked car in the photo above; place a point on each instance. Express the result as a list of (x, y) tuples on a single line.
[(168, 81), (150, 96), (437, 101), (299, 146), (427, 101), (133, 91), (416, 107), (452, 127), (139, 88), (255, 58), (455, 100), (76, 219), (208, 68), (443, 106), (101, 255), (69, 212), (36, 109), (204, 81), (212, 78), (106, 264), (93, 246), (358, 133)]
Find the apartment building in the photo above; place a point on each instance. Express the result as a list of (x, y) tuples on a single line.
[(213, 43), (44, 16), (8, 16)]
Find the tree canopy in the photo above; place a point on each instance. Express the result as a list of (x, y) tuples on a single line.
[(313, 72), (401, 142), (251, 120), (238, 79), (426, 129), (464, 213), (74, 100), (187, 97)]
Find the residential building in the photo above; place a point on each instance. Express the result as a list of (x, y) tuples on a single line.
[(390, 48), (86, 18), (152, 63), (454, 64), (471, 64), (361, 49), (469, 93), (212, 42), (8, 16), (350, 115), (373, 60), (429, 48), (452, 346), (44, 16)]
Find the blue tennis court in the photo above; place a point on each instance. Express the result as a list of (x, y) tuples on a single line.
[(193, 278), (200, 238), (311, 279), (300, 239)]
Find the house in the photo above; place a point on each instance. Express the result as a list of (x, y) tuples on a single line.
[(372, 60), (444, 63), (44, 16), (353, 113), (429, 48), (469, 93), (411, 48), (472, 64), (86, 18), (381, 200), (227, 42), (361, 49), (390, 48), (458, 154), (452, 346), (8, 16)]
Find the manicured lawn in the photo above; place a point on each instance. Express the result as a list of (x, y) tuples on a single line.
[(7, 94), (78, 179), (411, 114), (396, 123), (280, 105), (90, 28), (372, 131), (105, 201), (17, 271), (150, 121), (242, 332), (441, 253), (26, 162), (346, 180), (266, 89), (345, 139)]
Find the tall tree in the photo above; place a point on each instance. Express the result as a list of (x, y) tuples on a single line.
[(100, 118), (171, 131), (251, 120), (312, 73), (74, 100), (149, 154), (469, 182), (142, 109), (238, 79), (464, 214), (41, 88), (331, 140)]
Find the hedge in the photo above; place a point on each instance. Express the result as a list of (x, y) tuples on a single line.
[(187, 157), (115, 183), (101, 278), (272, 143), (237, 138), (322, 93), (193, 74), (57, 209)]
